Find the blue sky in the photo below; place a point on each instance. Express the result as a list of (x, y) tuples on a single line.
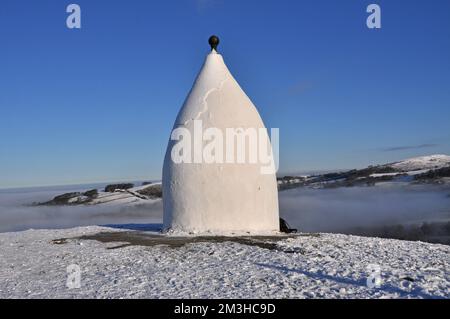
[(97, 104)]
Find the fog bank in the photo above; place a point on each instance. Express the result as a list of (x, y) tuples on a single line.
[(339, 209), (309, 210)]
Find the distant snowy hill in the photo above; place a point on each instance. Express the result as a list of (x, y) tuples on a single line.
[(113, 194), (422, 162), (424, 169)]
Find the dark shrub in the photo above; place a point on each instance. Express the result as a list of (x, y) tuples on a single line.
[(91, 193), (113, 187), (434, 174), (62, 199), (153, 191)]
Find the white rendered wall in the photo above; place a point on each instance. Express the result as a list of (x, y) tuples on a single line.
[(218, 197)]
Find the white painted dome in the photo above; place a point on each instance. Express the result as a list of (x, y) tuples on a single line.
[(218, 197)]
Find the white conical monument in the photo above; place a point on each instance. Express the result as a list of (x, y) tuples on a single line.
[(218, 196)]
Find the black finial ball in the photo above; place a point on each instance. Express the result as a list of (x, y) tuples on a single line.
[(213, 42)]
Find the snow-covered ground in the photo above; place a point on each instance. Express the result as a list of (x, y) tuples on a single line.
[(118, 263), (125, 261)]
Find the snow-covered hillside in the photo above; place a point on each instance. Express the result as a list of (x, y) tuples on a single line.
[(431, 169), (129, 196), (119, 263), (422, 162)]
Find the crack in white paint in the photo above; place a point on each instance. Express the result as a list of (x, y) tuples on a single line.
[(203, 111), (205, 98)]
